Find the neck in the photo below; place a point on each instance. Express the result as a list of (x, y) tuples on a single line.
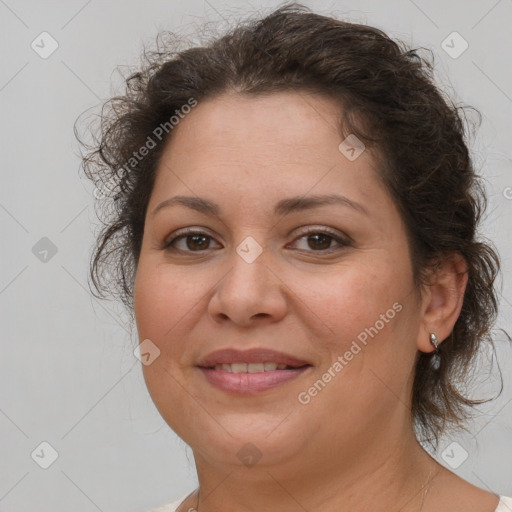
[(378, 475)]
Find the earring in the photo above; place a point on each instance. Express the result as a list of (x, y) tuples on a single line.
[(436, 359), (435, 343)]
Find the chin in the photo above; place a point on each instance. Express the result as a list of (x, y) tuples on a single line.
[(241, 440)]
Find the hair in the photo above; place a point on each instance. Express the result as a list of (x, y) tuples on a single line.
[(388, 98)]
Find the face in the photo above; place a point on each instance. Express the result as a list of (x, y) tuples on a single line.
[(279, 243)]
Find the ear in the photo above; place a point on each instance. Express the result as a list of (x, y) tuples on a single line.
[(442, 300)]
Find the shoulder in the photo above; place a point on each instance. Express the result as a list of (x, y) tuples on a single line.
[(170, 507), (173, 507), (459, 495), (505, 504)]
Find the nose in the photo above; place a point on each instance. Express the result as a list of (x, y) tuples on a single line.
[(249, 293)]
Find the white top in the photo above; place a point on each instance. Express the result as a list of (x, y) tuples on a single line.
[(505, 505)]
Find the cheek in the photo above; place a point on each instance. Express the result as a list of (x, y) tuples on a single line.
[(162, 299), (148, 304), (353, 297), (367, 307), (369, 313)]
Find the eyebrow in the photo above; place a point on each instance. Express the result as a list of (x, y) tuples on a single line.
[(283, 207)]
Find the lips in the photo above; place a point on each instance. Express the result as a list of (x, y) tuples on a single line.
[(252, 367), (252, 356), (250, 372)]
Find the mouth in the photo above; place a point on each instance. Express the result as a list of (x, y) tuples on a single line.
[(253, 367), (250, 371)]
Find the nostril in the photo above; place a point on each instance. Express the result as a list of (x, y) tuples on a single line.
[(259, 315)]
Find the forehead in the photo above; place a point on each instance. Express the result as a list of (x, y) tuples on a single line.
[(262, 146), (278, 120)]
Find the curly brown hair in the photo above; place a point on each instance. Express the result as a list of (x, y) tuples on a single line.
[(390, 101)]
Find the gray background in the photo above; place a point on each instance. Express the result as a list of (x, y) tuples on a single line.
[(68, 375)]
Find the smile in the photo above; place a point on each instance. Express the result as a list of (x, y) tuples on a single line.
[(250, 383), (251, 367), (250, 371)]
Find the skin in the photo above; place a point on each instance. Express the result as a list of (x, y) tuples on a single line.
[(352, 447)]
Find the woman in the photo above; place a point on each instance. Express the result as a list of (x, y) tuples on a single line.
[(295, 212)]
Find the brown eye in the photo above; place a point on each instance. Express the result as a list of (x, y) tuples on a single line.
[(197, 242), (192, 241), (319, 241)]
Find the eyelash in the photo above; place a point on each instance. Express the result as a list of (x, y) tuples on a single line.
[(185, 233)]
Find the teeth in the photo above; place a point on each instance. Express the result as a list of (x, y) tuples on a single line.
[(239, 368), (250, 367), (255, 367)]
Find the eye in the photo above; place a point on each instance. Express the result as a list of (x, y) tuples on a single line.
[(315, 240), (189, 240)]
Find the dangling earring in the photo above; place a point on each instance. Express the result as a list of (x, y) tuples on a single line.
[(433, 340), (436, 360)]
